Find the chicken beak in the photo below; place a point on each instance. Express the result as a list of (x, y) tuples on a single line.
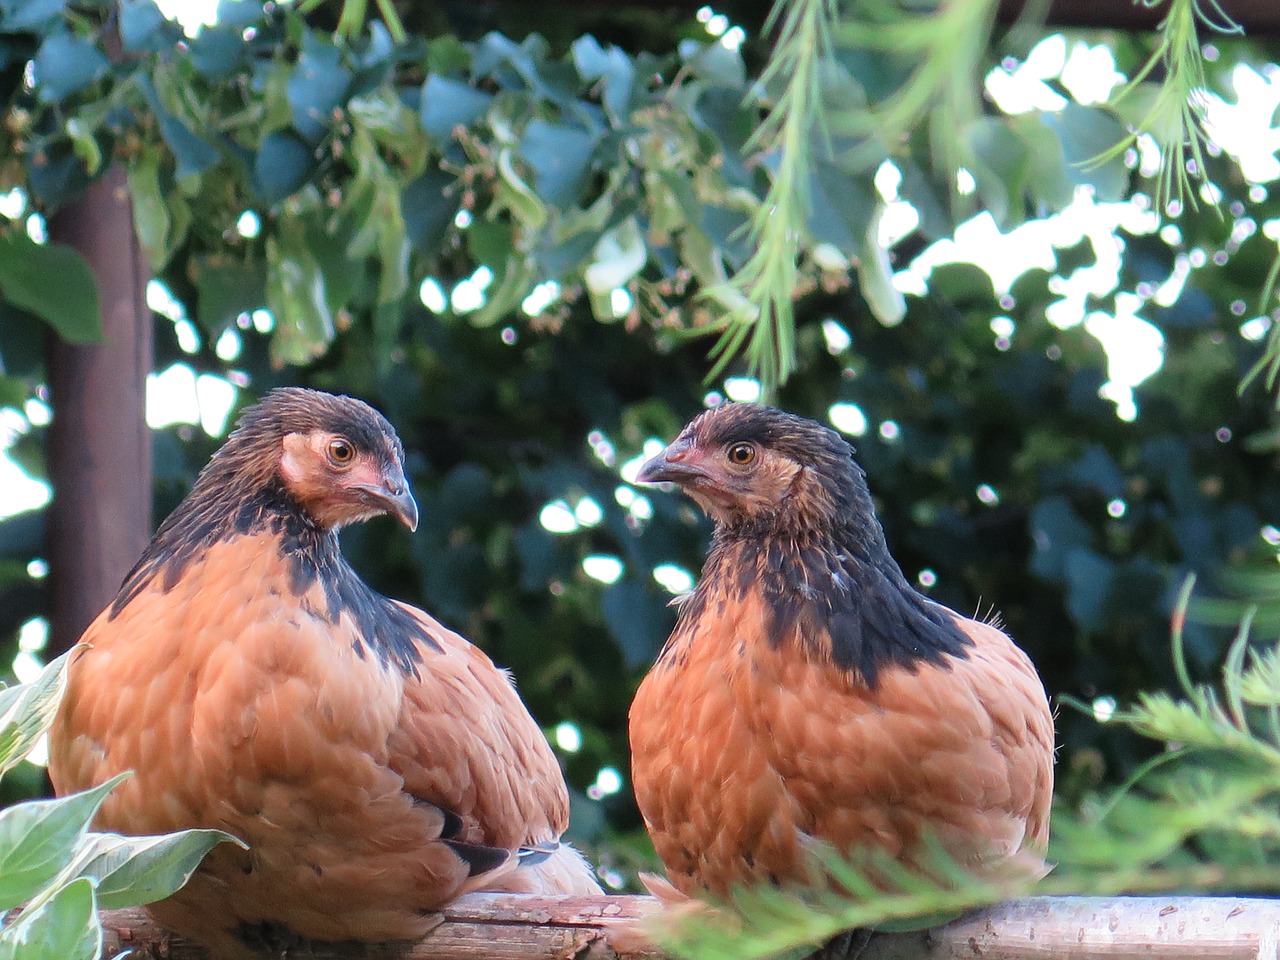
[(394, 494), (676, 464)]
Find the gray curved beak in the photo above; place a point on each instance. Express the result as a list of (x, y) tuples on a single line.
[(394, 495)]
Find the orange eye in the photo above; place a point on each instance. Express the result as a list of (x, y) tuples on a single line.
[(341, 451), (741, 454)]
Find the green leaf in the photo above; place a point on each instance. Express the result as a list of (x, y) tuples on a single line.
[(67, 64), (317, 86), (63, 927), (446, 104), (144, 29), (1000, 166), (239, 14), (428, 206), (39, 838), (132, 871), (217, 50), (296, 296), (560, 156), (27, 710), (29, 15), (192, 154), (282, 165), (842, 207), (1085, 133), (150, 214), (610, 66), (225, 289), (54, 282)]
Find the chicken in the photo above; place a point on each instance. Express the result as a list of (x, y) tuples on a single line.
[(809, 697), (376, 764)]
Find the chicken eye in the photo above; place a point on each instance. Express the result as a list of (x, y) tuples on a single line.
[(341, 451), (742, 454)]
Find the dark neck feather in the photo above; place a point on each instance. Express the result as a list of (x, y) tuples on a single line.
[(219, 509), (837, 589)]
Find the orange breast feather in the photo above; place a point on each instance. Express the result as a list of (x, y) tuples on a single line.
[(345, 776), (742, 751)]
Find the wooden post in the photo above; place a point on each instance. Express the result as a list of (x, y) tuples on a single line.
[(99, 451), (489, 926)]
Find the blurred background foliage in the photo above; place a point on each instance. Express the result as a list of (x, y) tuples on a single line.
[(506, 230)]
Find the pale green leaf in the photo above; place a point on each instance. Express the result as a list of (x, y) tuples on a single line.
[(296, 297), (54, 282), (39, 837), (63, 927), (132, 871), (27, 710), (150, 214)]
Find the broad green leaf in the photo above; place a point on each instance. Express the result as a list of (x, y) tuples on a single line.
[(27, 710), (226, 288), (193, 155), (239, 13), (281, 166), (38, 839), (143, 28), (843, 204), (428, 205), (1000, 164), (560, 156), (1085, 133), (150, 214), (610, 66), (317, 86), (67, 64), (63, 927), (33, 15), (54, 282), (296, 296), (217, 50), (132, 871), (446, 104)]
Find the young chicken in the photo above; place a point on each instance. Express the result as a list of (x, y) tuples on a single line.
[(808, 694), (376, 764)]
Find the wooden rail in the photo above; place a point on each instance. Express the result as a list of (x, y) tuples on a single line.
[(513, 927)]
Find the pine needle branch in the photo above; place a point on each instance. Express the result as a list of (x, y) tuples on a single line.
[(759, 311), (1175, 119)]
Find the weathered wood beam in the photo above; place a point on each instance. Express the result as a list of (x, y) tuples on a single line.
[(514, 927)]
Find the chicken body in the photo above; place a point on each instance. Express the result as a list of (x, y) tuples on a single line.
[(810, 696), (376, 764)]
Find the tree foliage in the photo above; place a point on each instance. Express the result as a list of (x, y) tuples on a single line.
[(509, 241)]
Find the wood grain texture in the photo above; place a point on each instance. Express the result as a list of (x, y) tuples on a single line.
[(516, 927)]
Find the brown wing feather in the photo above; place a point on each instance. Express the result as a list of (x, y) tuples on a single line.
[(742, 752)]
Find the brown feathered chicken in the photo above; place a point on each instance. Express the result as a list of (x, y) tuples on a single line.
[(376, 764), (809, 695)]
